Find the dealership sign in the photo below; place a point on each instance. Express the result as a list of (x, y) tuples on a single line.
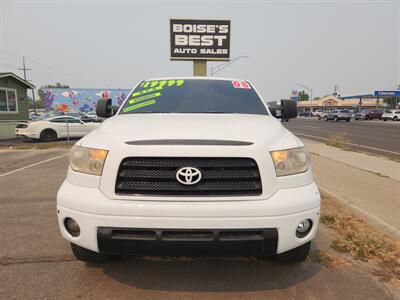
[(295, 95), (200, 39), (387, 93)]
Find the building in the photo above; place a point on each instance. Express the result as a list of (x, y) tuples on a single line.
[(13, 103), (331, 102)]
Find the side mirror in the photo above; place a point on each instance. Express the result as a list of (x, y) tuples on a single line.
[(275, 108), (105, 109), (289, 109), (283, 109)]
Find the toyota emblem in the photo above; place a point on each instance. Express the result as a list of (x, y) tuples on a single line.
[(188, 175)]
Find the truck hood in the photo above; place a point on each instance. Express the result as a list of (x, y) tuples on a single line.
[(133, 128)]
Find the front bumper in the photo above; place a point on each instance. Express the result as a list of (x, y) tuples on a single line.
[(98, 216), (387, 118)]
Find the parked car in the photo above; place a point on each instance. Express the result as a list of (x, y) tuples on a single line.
[(53, 128), (361, 114), (322, 114), (179, 168), (304, 114), (368, 115), (90, 118), (393, 115), (338, 115), (315, 113)]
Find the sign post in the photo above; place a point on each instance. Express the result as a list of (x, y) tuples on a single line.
[(199, 68), (199, 41)]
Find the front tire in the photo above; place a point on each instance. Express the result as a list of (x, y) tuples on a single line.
[(48, 135), (395, 119), (293, 256), (88, 255), (336, 119)]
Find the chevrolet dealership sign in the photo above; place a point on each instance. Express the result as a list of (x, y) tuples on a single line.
[(200, 39)]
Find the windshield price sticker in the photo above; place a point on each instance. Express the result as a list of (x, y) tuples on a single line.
[(136, 94), (200, 39), (241, 85), (161, 83), (151, 91), (144, 97), (139, 105)]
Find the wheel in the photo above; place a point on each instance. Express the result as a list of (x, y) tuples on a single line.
[(395, 118), (319, 117), (88, 255), (48, 135), (336, 119), (347, 120), (293, 256), (384, 120), (326, 118)]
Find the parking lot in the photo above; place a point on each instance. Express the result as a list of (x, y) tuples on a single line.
[(36, 263)]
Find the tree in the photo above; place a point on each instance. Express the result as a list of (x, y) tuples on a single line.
[(58, 85), (391, 102), (39, 103), (303, 96)]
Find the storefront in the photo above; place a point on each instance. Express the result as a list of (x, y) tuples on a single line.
[(332, 102), (13, 103)]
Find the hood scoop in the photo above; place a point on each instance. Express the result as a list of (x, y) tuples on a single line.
[(188, 142)]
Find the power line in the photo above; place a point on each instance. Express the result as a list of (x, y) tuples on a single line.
[(78, 78)]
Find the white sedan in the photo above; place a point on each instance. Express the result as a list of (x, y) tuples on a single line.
[(53, 128)]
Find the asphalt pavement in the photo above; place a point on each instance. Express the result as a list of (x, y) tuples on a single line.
[(36, 262), (373, 136)]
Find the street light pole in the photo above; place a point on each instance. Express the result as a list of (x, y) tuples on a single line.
[(220, 67)]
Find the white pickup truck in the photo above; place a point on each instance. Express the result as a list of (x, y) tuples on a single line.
[(190, 166)]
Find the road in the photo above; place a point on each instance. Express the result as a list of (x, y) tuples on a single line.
[(370, 136), (36, 263)]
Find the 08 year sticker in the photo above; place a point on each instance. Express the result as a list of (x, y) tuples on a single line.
[(241, 85)]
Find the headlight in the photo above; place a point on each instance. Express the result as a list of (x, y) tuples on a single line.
[(291, 161), (87, 160)]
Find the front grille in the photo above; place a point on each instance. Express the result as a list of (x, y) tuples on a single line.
[(219, 176)]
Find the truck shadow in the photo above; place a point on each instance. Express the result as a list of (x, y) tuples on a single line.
[(196, 274)]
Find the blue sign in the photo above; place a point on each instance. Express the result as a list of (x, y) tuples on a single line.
[(387, 93)]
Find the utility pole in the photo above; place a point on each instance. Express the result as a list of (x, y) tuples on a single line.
[(335, 89), (33, 92), (24, 68)]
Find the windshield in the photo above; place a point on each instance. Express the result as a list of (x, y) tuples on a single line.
[(194, 96)]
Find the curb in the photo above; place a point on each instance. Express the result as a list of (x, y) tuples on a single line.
[(363, 214)]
